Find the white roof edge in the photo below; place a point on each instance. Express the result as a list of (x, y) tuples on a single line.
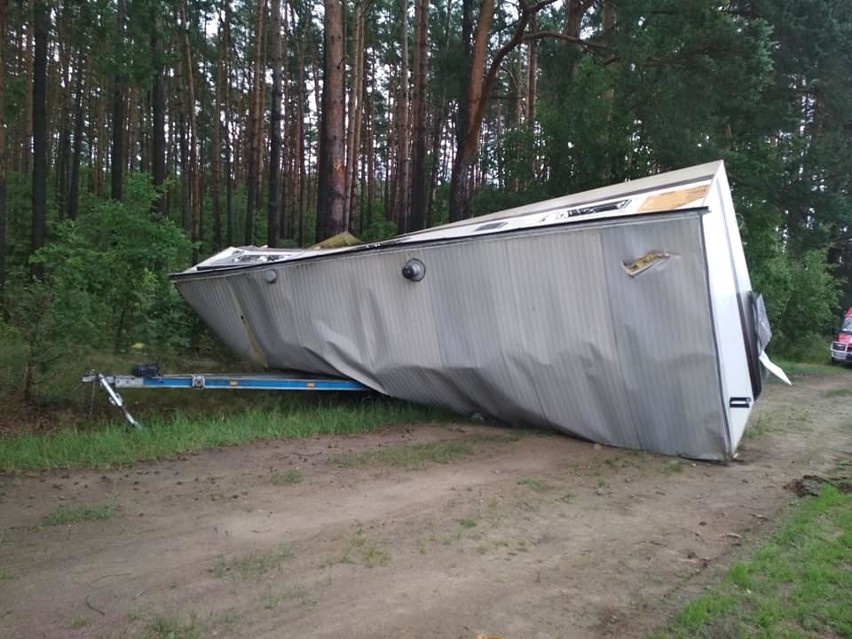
[(699, 172)]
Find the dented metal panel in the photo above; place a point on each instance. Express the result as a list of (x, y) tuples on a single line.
[(598, 314), (547, 329)]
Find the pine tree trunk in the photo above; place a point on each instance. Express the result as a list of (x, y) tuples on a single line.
[(255, 129), (299, 136), (459, 181), (183, 160), (27, 128), (440, 118), (215, 166), (178, 117), (370, 145), (63, 156), (194, 175), (158, 118), (274, 204), (144, 126), (607, 97), (285, 217), (131, 104), (532, 69), (331, 217), (479, 88), (311, 150), (356, 93), (417, 213), (575, 10), (404, 129), (229, 176), (4, 13), (117, 157), (98, 136), (39, 128), (74, 186), (438, 123)]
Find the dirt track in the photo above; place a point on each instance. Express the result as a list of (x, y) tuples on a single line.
[(530, 536)]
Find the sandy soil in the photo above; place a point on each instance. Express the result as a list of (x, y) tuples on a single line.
[(530, 536)]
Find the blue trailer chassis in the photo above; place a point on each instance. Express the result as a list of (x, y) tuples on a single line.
[(266, 381)]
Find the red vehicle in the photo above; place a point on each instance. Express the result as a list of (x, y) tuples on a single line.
[(841, 347)]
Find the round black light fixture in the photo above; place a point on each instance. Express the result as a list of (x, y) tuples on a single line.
[(414, 270)]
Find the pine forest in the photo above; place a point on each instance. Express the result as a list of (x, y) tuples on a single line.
[(140, 136)]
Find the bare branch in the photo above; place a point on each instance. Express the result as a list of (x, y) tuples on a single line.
[(556, 35)]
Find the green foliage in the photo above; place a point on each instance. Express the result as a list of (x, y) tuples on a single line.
[(18, 220), (105, 285), (172, 627), (380, 228), (117, 258), (74, 514), (371, 554), (801, 296), (292, 476), (490, 199), (254, 566), (797, 584), (533, 484), (181, 433), (52, 324)]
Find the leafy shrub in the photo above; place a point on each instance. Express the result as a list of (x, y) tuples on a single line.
[(801, 296), (105, 284)]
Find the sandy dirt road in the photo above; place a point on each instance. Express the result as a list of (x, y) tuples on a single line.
[(529, 536)]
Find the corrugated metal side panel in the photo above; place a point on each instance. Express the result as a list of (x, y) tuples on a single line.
[(566, 354), (212, 299), (280, 319), (665, 337), (545, 328)]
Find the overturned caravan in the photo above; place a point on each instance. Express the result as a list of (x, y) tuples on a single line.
[(622, 315)]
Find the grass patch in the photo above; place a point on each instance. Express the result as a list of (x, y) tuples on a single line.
[(780, 420), (838, 392), (567, 497), (164, 437), (467, 522), (407, 456), (292, 476), (533, 484), (632, 459), (271, 599), (254, 566), (804, 369), (79, 622), (673, 467), (227, 620), (161, 627), (504, 438), (80, 512), (799, 584), (757, 429), (360, 547), (374, 556)]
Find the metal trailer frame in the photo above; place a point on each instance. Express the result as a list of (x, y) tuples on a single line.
[(216, 381)]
